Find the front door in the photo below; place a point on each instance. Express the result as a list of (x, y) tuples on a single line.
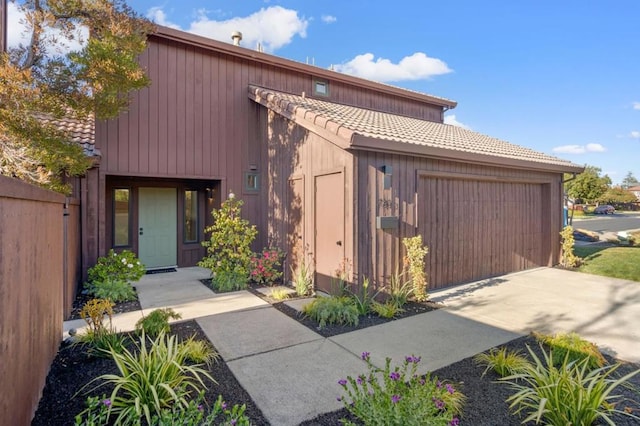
[(329, 228), (157, 227)]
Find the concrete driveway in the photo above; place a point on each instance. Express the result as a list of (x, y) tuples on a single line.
[(603, 310)]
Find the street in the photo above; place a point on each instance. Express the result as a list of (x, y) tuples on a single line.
[(609, 223)]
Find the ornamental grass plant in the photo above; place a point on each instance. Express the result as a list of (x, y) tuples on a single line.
[(503, 361), (332, 310)]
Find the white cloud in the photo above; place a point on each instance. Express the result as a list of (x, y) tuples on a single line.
[(18, 32), (415, 67), (451, 119), (635, 134), (272, 27), (328, 19), (636, 105), (579, 149)]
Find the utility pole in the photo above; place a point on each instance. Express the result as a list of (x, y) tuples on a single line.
[(3, 25)]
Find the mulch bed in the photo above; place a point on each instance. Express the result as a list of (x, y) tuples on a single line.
[(119, 308)]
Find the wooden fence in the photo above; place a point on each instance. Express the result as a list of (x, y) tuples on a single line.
[(39, 272)]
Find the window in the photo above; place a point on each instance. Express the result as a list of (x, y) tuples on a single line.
[(190, 216), (252, 181), (321, 88), (121, 216)]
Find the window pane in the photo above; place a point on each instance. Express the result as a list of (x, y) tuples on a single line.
[(190, 216), (121, 217)]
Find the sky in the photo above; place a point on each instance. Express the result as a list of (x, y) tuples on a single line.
[(560, 77)]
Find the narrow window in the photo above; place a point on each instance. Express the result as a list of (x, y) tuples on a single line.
[(252, 182), (190, 216), (321, 88), (121, 216)]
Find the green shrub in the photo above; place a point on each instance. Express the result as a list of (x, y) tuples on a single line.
[(225, 281), (96, 413), (387, 309), (404, 397), (156, 322), (400, 290), (363, 299), (414, 260), (123, 266), (573, 346), (229, 248), (502, 361), (266, 266), (112, 289), (199, 351), (100, 337), (303, 279), (332, 310), (150, 380), (567, 394)]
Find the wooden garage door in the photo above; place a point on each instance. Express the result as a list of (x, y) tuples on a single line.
[(476, 229)]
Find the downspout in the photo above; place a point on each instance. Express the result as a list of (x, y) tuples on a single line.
[(566, 198)]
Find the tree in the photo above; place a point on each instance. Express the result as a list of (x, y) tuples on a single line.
[(39, 84), (617, 195), (629, 181), (588, 185)]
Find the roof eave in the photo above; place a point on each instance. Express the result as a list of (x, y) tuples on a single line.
[(361, 142), (265, 58)]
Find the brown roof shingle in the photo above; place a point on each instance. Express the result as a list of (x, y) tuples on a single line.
[(363, 128), (80, 131)]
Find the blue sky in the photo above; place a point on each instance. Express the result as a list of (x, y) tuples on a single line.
[(561, 77)]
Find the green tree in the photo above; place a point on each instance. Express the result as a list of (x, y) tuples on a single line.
[(588, 186), (39, 84), (617, 195), (629, 181)]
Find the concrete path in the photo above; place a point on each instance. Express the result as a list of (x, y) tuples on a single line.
[(291, 372)]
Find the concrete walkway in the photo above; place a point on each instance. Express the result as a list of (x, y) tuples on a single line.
[(291, 372)]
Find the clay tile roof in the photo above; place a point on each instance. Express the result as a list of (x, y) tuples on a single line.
[(80, 131), (412, 132)]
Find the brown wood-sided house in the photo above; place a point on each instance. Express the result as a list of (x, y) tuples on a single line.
[(330, 167)]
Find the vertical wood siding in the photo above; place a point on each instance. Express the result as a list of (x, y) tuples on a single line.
[(487, 211)]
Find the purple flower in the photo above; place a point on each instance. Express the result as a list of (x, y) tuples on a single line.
[(422, 382), (359, 380), (439, 404), (233, 422), (342, 382), (450, 389), (200, 407), (365, 355), (107, 402), (396, 398), (394, 376), (454, 422), (224, 405), (413, 359), (339, 399), (439, 384)]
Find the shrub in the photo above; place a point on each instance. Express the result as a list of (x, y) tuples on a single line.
[(303, 279), (404, 398), (414, 260), (152, 380), (229, 248), (94, 312), (123, 266), (502, 361), (573, 346), (400, 290), (225, 281), (568, 259), (389, 309), (332, 310), (156, 322), (265, 266), (199, 351), (363, 299), (568, 394), (279, 294), (113, 289), (100, 337)]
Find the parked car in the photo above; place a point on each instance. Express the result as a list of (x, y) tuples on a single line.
[(604, 209)]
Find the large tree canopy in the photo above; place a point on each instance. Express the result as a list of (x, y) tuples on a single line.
[(588, 185), (629, 181), (617, 195), (37, 80)]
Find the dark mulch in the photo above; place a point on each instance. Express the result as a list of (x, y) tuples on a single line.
[(119, 308), (64, 397)]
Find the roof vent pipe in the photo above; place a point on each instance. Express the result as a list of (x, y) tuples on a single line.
[(236, 36)]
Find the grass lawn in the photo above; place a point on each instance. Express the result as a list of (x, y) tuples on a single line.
[(610, 261)]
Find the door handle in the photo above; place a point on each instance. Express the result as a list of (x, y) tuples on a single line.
[(141, 232), (339, 243)]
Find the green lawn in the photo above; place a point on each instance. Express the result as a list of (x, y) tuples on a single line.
[(610, 261)]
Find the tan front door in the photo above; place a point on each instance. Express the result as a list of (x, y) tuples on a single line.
[(329, 228)]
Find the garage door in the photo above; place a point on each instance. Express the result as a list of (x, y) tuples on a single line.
[(477, 229)]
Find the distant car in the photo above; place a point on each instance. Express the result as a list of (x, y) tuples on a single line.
[(604, 209)]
